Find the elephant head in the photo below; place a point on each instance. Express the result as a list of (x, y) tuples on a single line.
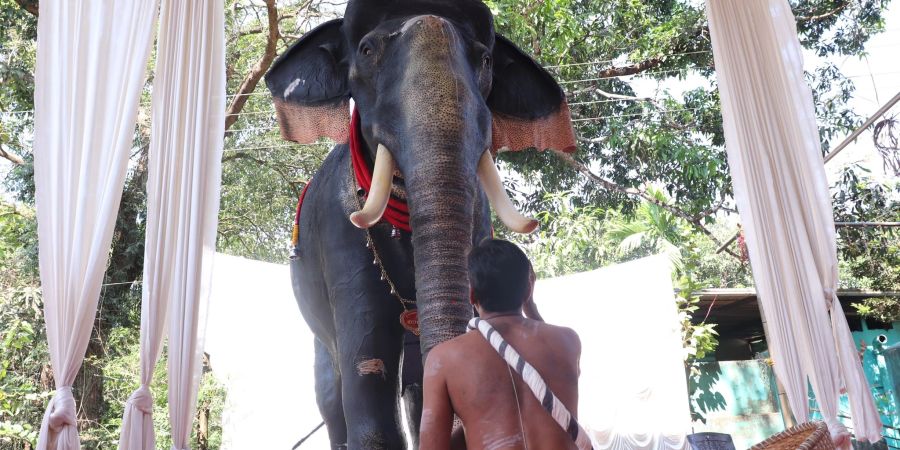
[(437, 92)]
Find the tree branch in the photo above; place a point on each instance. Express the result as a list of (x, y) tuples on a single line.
[(256, 73), (828, 14), (29, 5), (258, 30), (694, 220), (16, 159)]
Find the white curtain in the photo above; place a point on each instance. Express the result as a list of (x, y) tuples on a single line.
[(189, 124), (177, 191), (782, 195), (91, 61)]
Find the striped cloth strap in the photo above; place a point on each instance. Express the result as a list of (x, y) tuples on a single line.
[(534, 381)]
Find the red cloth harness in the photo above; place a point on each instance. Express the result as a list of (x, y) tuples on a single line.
[(295, 233), (397, 212)]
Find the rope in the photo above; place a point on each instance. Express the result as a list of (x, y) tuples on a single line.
[(301, 441)]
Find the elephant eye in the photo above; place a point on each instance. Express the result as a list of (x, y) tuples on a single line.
[(365, 49), (486, 60)]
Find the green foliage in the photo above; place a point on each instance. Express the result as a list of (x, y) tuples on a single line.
[(869, 255), (262, 174), (121, 368), (23, 351), (566, 241), (603, 52), (882, 309), (18, 34)]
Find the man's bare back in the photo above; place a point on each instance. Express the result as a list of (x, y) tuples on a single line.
[(467, 377)]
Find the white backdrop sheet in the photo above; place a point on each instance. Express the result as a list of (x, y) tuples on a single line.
[(633, 389), (261, 349)]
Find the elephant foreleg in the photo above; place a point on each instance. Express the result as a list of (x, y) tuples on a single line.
[(370, 365), (328, 397)]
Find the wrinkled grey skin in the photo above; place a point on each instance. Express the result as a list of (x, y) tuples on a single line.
[(421, 74), (433, 118)]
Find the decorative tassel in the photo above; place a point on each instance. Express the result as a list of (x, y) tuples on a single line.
[(295, 240)]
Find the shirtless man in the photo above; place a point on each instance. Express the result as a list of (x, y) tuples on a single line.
[(465, 376)]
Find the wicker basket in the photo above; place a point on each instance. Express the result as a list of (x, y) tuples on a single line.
[(806, 436)]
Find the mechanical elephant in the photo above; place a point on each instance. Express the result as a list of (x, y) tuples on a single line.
[(384, 227)]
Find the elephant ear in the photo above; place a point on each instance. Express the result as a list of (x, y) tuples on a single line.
[(529, 108), (309, 87)]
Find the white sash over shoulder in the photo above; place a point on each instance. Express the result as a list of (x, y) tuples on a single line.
[(534, 381)]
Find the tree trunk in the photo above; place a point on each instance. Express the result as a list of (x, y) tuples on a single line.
[(203, 432), (89, 384)]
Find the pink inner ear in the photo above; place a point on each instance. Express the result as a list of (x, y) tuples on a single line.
[(306, 124), (554, 132)]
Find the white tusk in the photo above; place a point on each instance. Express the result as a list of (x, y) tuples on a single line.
[(496, 194), (379, 191)]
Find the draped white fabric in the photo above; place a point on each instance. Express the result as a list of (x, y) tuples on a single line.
[(782, 194), (173, 186), (91, 61), (188, 123)]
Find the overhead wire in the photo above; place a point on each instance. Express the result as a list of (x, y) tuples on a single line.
[(613, 116), (565, 82), (592, 63)]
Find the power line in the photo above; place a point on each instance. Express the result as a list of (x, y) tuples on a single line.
[(268, 147), (252, 113), (588, 119), (251, 129), (119, 284), (636, 99), (630, 75), (590, 63), (246, 94)]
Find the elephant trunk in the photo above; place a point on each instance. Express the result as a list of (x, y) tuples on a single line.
[(441, 214)]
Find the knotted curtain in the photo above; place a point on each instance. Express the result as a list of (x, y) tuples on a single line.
[(189, 123), (90, 69), (782, 194), (184, 168)]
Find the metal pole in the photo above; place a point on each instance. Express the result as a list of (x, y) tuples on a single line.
[(786, 414), (862, 128)]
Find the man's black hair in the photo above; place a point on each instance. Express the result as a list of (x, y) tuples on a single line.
[(499, 275)]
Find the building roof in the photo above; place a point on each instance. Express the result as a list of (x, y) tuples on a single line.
[(736, 311)]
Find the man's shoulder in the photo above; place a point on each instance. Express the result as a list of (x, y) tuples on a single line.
[(450, 348), (560, 333)]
